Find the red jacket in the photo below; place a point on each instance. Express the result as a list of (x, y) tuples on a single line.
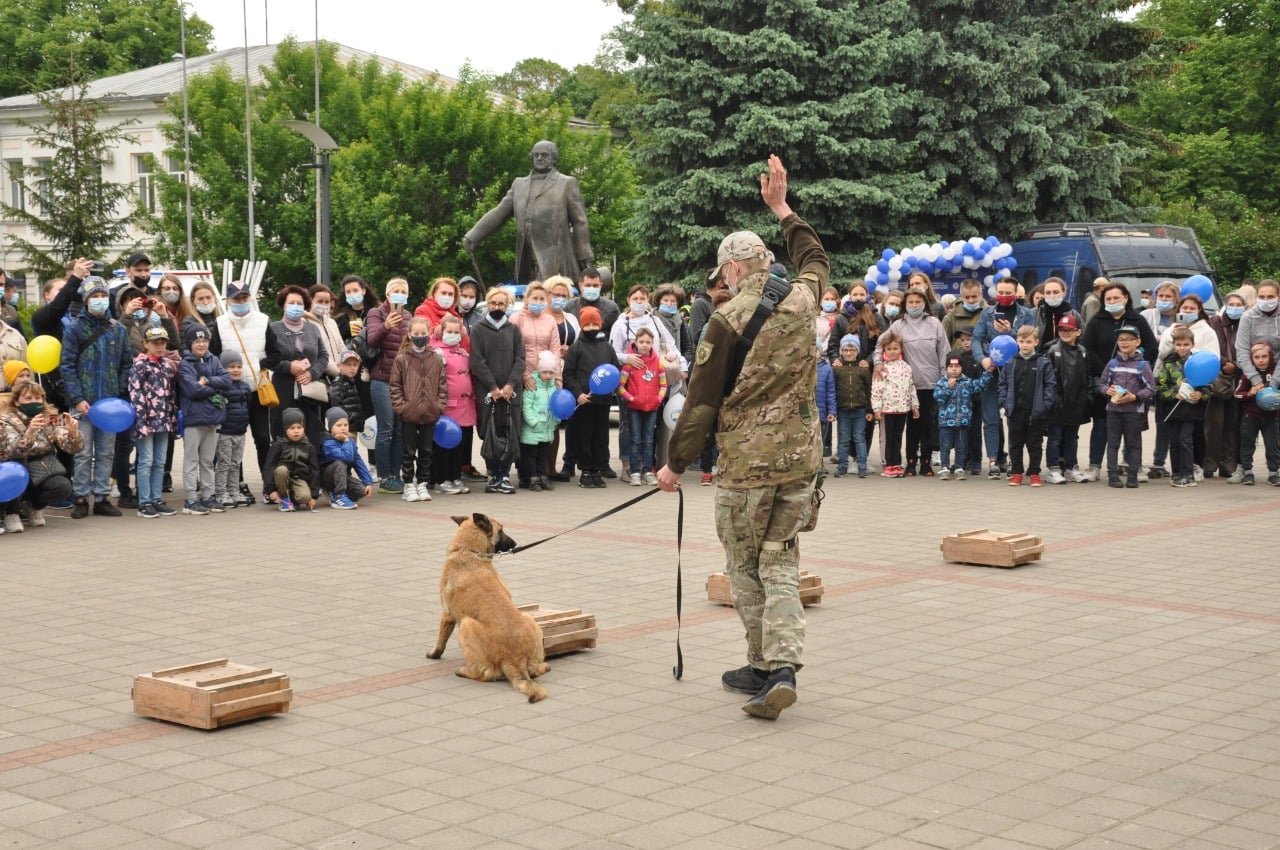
[(644, 388), (434, 313)]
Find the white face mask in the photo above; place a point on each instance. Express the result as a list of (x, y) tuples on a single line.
[(320, 310), (465, 304), (445, 301), (639, 308), (451, 338)]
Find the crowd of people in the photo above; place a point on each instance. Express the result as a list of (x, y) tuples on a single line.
[(906, 372)]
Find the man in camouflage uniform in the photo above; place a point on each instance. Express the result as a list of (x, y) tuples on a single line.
[(770, 453)]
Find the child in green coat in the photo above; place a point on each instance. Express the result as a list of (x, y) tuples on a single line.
[(538, 425)]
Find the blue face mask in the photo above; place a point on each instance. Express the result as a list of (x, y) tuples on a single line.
[(1115, 309), (915, 312), (972, 308), (154, 320), (398, 298), (13, 300), (97, 306), (559, 303), (535, 309), (1188, 318), (828, 306), (1164, 306), (240, 309), (139, 315), (293, 312), (891, 311), (667, 309), (590, 293), (355, 299), (1234, 313)]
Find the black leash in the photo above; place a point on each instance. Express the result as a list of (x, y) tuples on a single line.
[(584, 524)]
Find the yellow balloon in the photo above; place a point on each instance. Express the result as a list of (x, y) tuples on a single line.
[(44, 353)]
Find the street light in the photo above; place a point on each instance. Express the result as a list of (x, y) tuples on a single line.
[(323, 143), (186, 126)]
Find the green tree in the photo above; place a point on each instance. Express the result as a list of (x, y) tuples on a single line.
[(533, 81), (1014, 114), (724, 83), (37, 37), (75, 212)]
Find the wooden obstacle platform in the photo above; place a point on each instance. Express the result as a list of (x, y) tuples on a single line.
[(211, 694), (720, 591), (564, 631), (992, 548)]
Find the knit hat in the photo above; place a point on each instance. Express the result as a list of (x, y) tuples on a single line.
[(11, 370), (548, 362), (194, 332), (92, 284), (230, 357), (850, 339), (589, 316), (291, 416), (332, 416)]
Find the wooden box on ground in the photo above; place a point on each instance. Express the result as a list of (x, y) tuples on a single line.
[(211, 694), (720, 592), (992, 548), (564, 631)]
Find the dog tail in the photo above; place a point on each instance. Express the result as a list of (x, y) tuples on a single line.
[(520, 680)]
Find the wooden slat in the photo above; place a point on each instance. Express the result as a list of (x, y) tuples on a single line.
[(200, 665)]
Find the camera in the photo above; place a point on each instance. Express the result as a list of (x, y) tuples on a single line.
[(149, 304), (99, 268)]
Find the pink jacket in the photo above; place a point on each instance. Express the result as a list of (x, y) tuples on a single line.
[(461, 407), (540, 333)]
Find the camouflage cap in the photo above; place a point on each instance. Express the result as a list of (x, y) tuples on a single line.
[(741, 245)]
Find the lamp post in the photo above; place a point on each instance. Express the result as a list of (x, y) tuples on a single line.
[(324, 144), (186, 127)]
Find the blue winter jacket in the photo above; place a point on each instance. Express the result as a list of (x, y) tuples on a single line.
[(347, 453), (826, 391), (94, 371), (1046, 386), (203, 405), (237, 419), (955, 404), (985, 329)]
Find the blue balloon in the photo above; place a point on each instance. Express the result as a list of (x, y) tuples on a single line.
[(882, 279), (888, 254), (604, 379), (562, 404), (943, 245), (1268, 399), (1003, 349), (990, 242), (882, 266), (1201, 368), (112, 415), (1010, 263), (1197, 285), (448, 433), (968, 250), (13, 480)]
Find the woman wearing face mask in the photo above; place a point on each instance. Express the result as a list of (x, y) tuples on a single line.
[(388, 324), (1222, 416), (890, 308), (1163, 312), (244, 329), (33, 432), (1191, 315), (296, 359), (321, 315), (441, 300), (567, 331), (1258, 323), (670, 298), (354, 304), (933, 306), (538, 329), (1053, 306), (200, 310), (1099, 339), (856, 316), (497, 378), (925, 348), (470, 304)]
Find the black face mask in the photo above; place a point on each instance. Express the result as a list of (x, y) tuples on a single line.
[(142, 281), (497, 315)]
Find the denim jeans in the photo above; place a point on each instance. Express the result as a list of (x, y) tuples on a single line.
[(152, 449), (387, 450), (1064, 444), (991, 426), (957, 438), (624, 435), (642, 424), (851, 427), (92, 473)]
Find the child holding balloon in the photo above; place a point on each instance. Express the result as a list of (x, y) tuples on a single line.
[(538, 425), (419, 394), (447, 464), (1179, 406), (1256, 419), (1127, 384)]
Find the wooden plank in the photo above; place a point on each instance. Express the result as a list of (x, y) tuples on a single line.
[(200, 665), (250, 673), (235, 706)]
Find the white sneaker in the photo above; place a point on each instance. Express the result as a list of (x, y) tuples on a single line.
[(12, 524), (424, 492), (936, 459), (1197, 474), (1076, 476), (944, 474), (1143, 478), (1055, 476), (959, 475), (1092, 474), (650, 479), (449, 488), (1236, 477), (37, 518), (624, 476), (410, 493), (636, 480), (461, 485)]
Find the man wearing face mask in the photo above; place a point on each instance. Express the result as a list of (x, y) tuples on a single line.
[(95, 365), (591, 294), (1053, 309), (9, 306), (138, 270), (244, 329), (965, 312), (1004, 317)]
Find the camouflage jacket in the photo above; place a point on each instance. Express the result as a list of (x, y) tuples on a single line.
[(767, 426)]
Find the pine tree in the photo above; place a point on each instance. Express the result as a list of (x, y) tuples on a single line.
[(1015, 110), (724, 83), (73, 209)]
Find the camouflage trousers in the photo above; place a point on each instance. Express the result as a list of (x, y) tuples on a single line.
[(766, 578)]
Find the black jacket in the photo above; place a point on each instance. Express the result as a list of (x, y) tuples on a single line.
[(1099, 338), (1073, 404), (299, 458), (584, 356)]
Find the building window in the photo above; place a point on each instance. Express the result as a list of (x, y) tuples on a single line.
[(148, 186), (17, 195)]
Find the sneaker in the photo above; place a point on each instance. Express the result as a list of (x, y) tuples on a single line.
[(625, 477), (779, 692), (597, 481), (12, 524), (1035, 480), (993, 470), (1236, 477), (391, 485), (1178, 481), (245, 498), (409, 493), (342, 502), (449, 488), (565, 475), (1131, 482), (935, 459), (505, 488), (127, 500), (195, 507), (545, 481), (163, 509), (744, 680), (286, 505), (1015, 479), (103, 507), (1055, 476), (424, 491), (584, 481), (841, 472), (707, 479), (81, 509), (635, 479), (944, 474), (1155, 472), (1274, 479), (228, 502), (608, 472), (37, 518), (651, 479), (910, 470), (1142, 476), (959, 475), (926, 470), (461, 485), (535, 485), (1246, 479), (1197, 474), (148, 511), (1078, 476), (1091, 474), (1114, 481), (213, 506)]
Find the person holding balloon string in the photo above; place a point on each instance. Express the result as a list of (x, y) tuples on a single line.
[(591, 374), (32, 435), (538, 424), (419, 394), (644, 389), (1000, 319), (1260, 413), (448, 462), (1182, 401)]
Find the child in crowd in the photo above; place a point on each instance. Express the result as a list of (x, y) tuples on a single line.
[(893, 396), (1072, 404), (538, 425), (1180, 407), (955, 395), (226, 468), (853, 396), (292, 470), (34, 433), (203, 385), (1128, 384), (344, 473), (344, 392), (971, 367), (825, 396), (643, 388), (154, 394), (1027, 390), (589, 351), (1254, 420), (447, 465), (418, 396)]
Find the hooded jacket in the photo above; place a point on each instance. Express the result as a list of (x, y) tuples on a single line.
[(461, 406), (1132, 374), (538, 423), (95, 365), (203, 405), (1168, 382), (589, 352), (419, 391), (1045, 386), (955, 404), (153, 390), (924, 346), (1255, 325)]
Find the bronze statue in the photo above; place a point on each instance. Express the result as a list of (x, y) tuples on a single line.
[(552, 236)]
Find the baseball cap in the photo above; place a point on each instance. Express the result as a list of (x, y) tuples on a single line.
[(967, 330), (739, 245), (156, 333), (348, 354), (237, 288), (1127, 329), (1069, 322), (134, 259)]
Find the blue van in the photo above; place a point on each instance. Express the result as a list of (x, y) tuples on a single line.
[(1138, 255)]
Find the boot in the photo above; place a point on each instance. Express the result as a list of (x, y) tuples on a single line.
[(81, 509), (565, 474), (778, 692), (744, 680), (546, 482)]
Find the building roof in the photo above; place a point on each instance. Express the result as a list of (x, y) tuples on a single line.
[(160, 81)]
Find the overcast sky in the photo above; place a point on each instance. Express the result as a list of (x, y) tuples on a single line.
[(439, 35)]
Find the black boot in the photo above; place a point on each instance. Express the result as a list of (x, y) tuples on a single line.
[(565, 473), (778, 692), (546, 482), (744, 680)]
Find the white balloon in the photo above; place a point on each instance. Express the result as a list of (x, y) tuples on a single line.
[(671, 412), (882, 290), (895, 275), (970, 263), (895, 263), (369, 436), (989, 280), (975, 241)]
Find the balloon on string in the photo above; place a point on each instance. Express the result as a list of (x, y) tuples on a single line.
[(1268, 399), (44, 353), (1003, 349), (112, 415), (882, 265), (886, 254), (882, 279), (968, 250), (13, 480), (1201, 368), (448, 433), (671, 411), (562, 404), (369, 436), (1197, 285), (1011, 264), (604, 379)]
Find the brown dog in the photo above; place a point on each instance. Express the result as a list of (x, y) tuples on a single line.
[(497, 638)]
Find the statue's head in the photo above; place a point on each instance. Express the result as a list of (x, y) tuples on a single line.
[(545, 155)]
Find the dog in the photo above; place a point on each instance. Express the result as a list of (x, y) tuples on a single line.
[(497, 638)]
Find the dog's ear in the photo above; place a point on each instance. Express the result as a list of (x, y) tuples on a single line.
[(482, 523), (459, 520)]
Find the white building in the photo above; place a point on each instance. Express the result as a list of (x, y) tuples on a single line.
[(139, 95)]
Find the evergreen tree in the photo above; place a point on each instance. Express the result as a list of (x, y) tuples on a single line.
[(73, 209), (724, 83), (1014, 116)]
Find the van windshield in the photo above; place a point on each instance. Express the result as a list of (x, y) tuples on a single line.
[(1149, 249)]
